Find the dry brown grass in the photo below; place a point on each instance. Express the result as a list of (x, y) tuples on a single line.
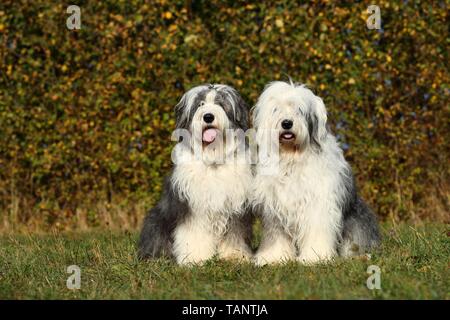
[(123, 214)]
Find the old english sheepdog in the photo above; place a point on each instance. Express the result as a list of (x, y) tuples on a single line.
[(203, 209), (304, 189)]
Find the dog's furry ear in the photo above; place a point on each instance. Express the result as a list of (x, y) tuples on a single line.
[(252, 116), (180, 112), (317, 121), (241, 112)]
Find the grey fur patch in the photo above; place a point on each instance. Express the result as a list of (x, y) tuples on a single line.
[(156, 238), (360, 231), (234, 106), (183, 121), (313, 130)]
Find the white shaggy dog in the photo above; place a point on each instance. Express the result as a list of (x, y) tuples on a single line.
[(203, 210), (304, 189)]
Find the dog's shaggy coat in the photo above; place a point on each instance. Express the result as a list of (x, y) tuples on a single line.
[(203, 209), (305, 194)]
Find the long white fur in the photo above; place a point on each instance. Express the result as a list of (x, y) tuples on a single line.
[(300, 203), (215, 193)]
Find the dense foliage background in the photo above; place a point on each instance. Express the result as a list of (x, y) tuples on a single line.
[(86, 115)]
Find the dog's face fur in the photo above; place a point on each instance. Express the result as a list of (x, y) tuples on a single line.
[(224, 103), (208, 112), (292, 114)]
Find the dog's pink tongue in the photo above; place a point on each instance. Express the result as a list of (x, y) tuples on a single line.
[(209, 135)]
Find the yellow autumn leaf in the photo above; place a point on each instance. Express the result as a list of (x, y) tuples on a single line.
[(167, 15), (279, 23)]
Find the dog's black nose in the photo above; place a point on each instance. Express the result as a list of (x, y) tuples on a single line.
[(208, 117), (287, 124)]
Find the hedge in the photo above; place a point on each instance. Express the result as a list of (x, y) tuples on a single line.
[(86, 115)]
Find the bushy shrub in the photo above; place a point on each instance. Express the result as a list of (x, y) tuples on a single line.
[(86, 115)]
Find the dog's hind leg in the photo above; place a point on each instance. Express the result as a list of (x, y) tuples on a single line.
[(155, 240), (360, 233)]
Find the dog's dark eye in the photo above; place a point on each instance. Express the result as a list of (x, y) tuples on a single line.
[(201, 104)]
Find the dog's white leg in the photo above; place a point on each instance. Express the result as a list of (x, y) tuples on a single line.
[(316, 248), (233, 245), (276, 246), (193, 243), (319, 240)]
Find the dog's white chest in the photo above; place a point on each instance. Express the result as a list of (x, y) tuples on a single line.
[(292, 195), (285, 195), (215, 193)]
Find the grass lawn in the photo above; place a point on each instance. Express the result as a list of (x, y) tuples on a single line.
[(414, 262)]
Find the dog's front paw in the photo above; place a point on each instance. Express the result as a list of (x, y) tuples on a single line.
[(193, 259), (260, 260), (229, 252), (264, 258), (191, 262), (310, 258), (237, 256)]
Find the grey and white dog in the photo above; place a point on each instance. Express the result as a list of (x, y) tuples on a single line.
[(309, 205), (203, 209)]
